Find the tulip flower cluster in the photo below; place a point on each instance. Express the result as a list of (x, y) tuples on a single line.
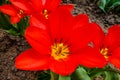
[(60, 41)]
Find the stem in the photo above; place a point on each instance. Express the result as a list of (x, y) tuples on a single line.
[(53, 76)]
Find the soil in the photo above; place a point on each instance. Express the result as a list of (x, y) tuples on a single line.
[(11, 46)]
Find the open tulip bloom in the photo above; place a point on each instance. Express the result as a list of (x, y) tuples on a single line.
[(21, 8), (61, 45), (15, 13), (108, 45), (61, 42)]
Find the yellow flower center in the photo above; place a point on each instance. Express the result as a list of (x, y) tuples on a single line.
[(45, 13), (21, 12), (59, 51), (104, 52)]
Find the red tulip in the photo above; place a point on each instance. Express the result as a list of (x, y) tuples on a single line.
[(108, 45), (38, 7), (59, 47), (15, 13), (20, 8)]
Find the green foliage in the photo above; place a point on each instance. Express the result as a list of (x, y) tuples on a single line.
[(107, 73), (80, 74), (4, 2), (64, 77), (14, 29), (111, 75), (43, 75), (108, 5)]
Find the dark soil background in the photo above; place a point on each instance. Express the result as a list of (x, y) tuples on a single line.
[(11, 46)]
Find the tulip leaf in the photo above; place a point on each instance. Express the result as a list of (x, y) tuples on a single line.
[(64, 77), (107, 5), (111, 75), (102, 5), (43, 76), (117, 9), (81, 74)]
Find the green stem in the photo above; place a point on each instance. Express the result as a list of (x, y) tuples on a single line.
[(64, 77), (53, 76)]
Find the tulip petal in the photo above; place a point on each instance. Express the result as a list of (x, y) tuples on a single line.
[(112, 39), (38, 39), (91, 58), (35, 21), (83, 35), (67, 7), (60, 23), (32, 60), (115, 57), (14, 19), (8, 9), (23, 4), (64, 67), (51, 5), (37, 4), (80, 20)]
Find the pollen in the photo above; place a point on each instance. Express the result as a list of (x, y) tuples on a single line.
[(59, 51), (45, 13), (20, 13), (104, 52)]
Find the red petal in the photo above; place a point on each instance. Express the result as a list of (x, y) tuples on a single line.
[(38, 39), (37, 5), (35, 21), (80, 21), (91, 58), (115, 57), (32, 60), (67, 7), (51, 5), (82, 35), (8, 9), (23, 4), (112, 39), (64, 67), (60, 23), (14, 19)]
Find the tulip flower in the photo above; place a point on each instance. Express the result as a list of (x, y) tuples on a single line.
[(15, 13), (42, 8), (107, 44), (38, 7), (59, 46)]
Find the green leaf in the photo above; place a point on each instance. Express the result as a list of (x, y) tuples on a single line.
[(4, 21), (43, 75), (81, 74), (13, 32), (115, 4), (111, 75), (64, 77), (107, 5), (117, 9), (102, 5)]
